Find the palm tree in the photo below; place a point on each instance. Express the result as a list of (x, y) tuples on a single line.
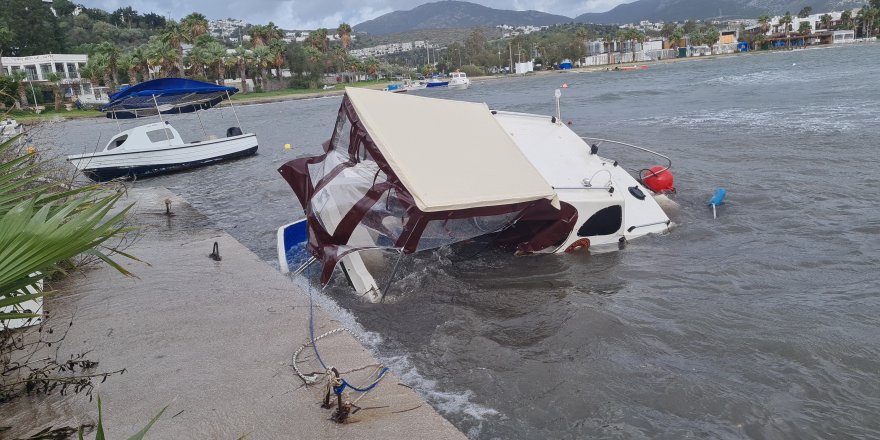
[(243, 57), (759, 41), (216, 56), (764, 22), (262, 58), (826, 21), (174, 36), (846, 19), (272, 32), (55, 82), (785, 21), (111, 53), (278, 50), (344, 32), (6, 37), (197, 58), (133, 61), (163, 56), (804, 28), (195, 25), (257, 34), (318, 40), (18, 77), (371, 66)]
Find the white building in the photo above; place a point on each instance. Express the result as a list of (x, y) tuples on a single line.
[(67, 66)]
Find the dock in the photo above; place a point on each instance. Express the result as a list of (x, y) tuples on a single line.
[(213, 341)]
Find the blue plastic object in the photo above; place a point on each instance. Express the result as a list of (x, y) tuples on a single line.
[(718, 198)]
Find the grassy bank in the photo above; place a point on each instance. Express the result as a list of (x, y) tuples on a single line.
[(24, 117)]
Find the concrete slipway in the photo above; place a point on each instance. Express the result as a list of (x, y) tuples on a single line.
[(214, 341)]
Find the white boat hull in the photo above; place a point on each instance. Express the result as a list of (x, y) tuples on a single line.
[(110, 165)]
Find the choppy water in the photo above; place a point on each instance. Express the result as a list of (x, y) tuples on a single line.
[(761, 324)]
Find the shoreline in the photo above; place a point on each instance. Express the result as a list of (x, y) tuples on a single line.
[(295, 95)]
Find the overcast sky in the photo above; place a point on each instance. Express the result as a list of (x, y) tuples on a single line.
[(312, 14)]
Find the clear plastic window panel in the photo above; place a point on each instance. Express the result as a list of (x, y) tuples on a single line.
[(333, 202), (445, 232)]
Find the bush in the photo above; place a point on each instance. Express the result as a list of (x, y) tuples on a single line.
[(298, 82), (472, 70)]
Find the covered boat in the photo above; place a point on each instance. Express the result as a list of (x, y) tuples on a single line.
[(158, 147), (391, 179)]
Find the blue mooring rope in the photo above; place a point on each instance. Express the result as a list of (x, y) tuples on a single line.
[(341, 388)]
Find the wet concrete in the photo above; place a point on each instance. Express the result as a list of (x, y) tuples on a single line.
[(212, 340)]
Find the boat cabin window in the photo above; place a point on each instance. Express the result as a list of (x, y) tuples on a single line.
[(116, 143), (604, 222), (160, 135)]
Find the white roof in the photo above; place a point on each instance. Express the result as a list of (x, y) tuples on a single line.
[(448, 154)]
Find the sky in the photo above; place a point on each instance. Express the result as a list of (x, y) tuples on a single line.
[(312, 14)]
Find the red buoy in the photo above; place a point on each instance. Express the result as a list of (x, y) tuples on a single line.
[(659, 179), (583, 243)]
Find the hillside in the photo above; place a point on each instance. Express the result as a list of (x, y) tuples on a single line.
[(454, 14), (679, 10)]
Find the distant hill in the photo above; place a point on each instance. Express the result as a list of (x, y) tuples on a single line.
[(454, 14), (679, 10)]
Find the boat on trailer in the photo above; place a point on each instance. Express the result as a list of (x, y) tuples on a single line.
[(528, 180), (157, 147)]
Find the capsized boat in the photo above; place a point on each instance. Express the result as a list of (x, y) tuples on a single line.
[(158, 147), (391, 179)]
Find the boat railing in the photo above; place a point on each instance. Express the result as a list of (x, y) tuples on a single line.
[(599, 141)]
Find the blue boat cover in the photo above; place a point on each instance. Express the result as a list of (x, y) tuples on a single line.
[(166, 96)]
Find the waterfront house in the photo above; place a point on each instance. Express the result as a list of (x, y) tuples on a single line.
[(67, 66)]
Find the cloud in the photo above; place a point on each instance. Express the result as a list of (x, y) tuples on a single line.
[(312, 14)]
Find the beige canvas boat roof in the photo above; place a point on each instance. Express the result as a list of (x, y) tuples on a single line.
[(449, 154)]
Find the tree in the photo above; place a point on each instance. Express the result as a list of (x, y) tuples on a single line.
[(197, 58), (133, 63), (846, 19), (278, 48), (804, 28), (805, 12), (161, 55), (216, 56), (195, 25), (111, 53), (785, 22), (262, 59), (244, 58), (55, 82), (6, 37), (174, 36), (764, 22), (344, 32), (318, 40), (668, 29), (19, 77), (826, 21), (35, 29)]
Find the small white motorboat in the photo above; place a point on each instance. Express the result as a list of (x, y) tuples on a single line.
[(158, 147), (528, 181), (459, 80)]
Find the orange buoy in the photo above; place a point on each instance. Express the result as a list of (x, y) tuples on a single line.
[(659, 179), (583, 243)]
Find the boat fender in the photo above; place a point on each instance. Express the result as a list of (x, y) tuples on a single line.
[(636, 192), (553, 119), (583, 243), (658, 179), (716, 200), (621, 243), (594, 149)]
